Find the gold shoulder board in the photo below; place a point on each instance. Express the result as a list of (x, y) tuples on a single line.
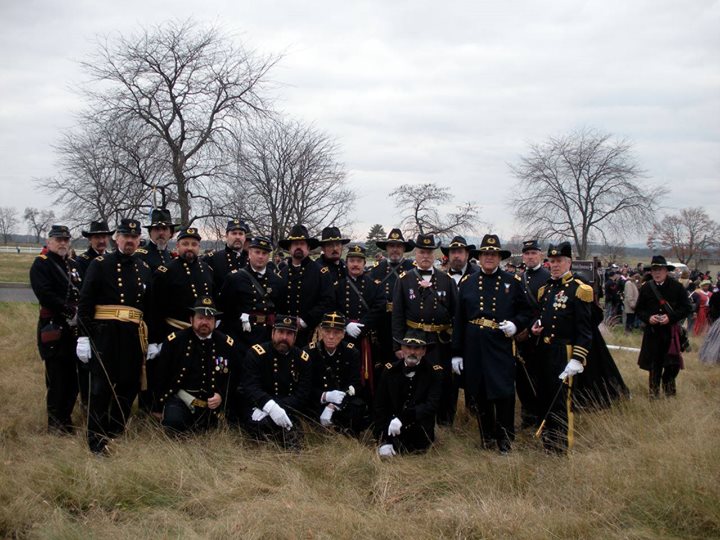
[(311, 345), (230, 341), (584, 291), (258, 349), (402, 274), (518, 277), (162, 268), (100, 258), (436, 367), (464, 278), (324, 269), (377, 282), (305, 356), (171, 336), (41, 256), (388, 366), (350, 345), (142, 251)]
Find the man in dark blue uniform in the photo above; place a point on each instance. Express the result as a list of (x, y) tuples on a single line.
[(535, 275), (310, 291), (161, 231), (424, 299), (277, 381), (407, 399), (336, 379), (458, 253), (195, 364), (56, 282), (99, 239), (565, 331), (361, 301), (114, 303), (384, 275), (232, 257), (331, 247), (491, 307)]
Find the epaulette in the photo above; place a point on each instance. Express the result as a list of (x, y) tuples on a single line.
[(100, 258), (42, 256), (84, 256), (304, 356), (234, 271), (414, 263), (312, 345), (437, 367), (388, 366), (210, 253), (230, 341), (142, 251), (518, 278), (258, 348), (375, 264), (324, 270), (377, 281), (541, 292), (162, 268), (584, 291), (464, 277), (171, 336), (350, 345), (402, 274)]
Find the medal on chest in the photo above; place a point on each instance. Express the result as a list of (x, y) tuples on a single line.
[(560, 301)]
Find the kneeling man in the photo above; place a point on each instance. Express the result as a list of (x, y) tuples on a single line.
[(193, 369), (407, 399)]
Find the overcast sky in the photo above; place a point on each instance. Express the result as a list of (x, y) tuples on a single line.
[(413, 91)]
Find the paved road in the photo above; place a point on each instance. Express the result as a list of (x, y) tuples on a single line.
[(17, 295)]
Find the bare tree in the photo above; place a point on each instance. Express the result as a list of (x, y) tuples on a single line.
[(687, 236), (39, 221), (581, 185), (287, 173), (8, 221), (427, 209), (107, 171), (188, 87)]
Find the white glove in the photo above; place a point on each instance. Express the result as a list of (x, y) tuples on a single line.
[(326, 417), (83, 349), (278, 414), (302, 323), (386, 450), (334, 396), (394, 427), (258, 415), (573, 368), (245, 319), (153, 350), (457, 364), (354, 329), (508, 328)]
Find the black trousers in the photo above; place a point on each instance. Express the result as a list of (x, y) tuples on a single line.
[(555, 397), (527, 374), (83, 377), (178, 418), (496, 420), (441, 354), (108, 409), (665, 375), (61, 379), (353, 418), (414, 438)]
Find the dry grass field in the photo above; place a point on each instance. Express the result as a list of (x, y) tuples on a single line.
[(641, 470), (15, 267)]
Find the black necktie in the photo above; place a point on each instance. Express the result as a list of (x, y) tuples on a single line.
[(455, 272), (426, 273)]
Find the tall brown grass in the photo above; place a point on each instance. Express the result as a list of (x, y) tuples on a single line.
[(640, 470)]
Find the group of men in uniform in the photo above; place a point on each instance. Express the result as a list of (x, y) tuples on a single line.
[(323, 339)]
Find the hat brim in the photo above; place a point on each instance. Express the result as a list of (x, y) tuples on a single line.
[(88, 234), (169, 225), (446, 250), (504, 253), (407, 246), (343, 241), (533, 248), (311, 242), (670, 267), (204, 311), (434, 246)]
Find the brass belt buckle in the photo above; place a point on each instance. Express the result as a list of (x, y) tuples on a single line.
[(123, 313)]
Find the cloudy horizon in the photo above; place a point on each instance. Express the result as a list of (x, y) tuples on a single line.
[(412, 92)]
